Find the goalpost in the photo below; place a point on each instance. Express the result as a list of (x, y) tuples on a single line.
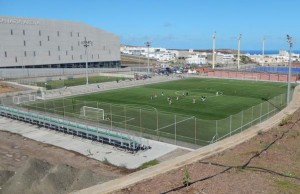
[(92, 113), (24, 98)]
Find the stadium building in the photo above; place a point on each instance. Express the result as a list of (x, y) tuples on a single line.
[(43, 43)]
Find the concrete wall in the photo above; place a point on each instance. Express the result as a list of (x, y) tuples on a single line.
[(31, 41)]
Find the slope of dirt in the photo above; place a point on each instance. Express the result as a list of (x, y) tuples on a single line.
[(21, 157), (268, 163), (37, 176)]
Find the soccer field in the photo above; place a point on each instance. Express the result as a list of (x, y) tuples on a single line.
[(200, 109), (54, 84)]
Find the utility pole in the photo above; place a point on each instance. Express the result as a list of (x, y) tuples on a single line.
[(239, 45), (86, 44), (213, 56), (263, 51), (148, 45), (290, 41)]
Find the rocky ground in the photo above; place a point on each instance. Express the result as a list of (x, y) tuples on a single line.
[(268, 163)]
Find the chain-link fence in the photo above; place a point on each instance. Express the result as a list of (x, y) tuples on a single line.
[(154, 124)]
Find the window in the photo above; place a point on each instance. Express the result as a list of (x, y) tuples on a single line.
[(48, 38), (80, 56), (103, 47), (40, 33), (71, 34), (98, 56), (78, 43), (24, 43), (71, 48), (109, 51), (49, 53), (57, 33), (34, 53), (11, 32), (77, 34), (40, 43), (58, 48), (16, 59), (24, 32), (59, 57), (92, 56), (66, 52), (72, 57), (5, 54), (25, 54)]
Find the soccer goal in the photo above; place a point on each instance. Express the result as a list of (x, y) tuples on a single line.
[(23, 98), (92, 113)]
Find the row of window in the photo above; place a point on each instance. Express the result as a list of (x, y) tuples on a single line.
[(40, 33), (49, 53), (72, 48)]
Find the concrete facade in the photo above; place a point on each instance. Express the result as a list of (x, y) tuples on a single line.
[(37, 43)]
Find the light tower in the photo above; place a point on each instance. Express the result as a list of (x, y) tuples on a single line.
[(214, 44), (86, 44), (263, 50), (290, 41), (239, 45), (148, 45)]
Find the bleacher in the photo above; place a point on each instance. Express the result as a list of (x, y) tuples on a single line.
[(119, 140)]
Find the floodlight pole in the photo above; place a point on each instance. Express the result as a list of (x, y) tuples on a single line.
[(86, 44), (239, 45), (213, 56), (263, 51), (290, 41), (148, 45)]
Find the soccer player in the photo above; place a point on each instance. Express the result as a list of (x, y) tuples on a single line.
[(194, 100)]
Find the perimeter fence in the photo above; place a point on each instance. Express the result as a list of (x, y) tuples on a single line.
[(151, 123)]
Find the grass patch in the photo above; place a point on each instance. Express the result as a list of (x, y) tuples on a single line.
[(286, 186), (148, 164), (55, 84)]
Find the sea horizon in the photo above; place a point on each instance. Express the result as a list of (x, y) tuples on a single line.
[(267, 52)]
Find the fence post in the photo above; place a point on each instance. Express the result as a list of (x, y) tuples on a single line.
[(260, 112), (141, 120), (268, 109), (156, 120), (175, 130), (125, 116), (242, 121), (252, 120), (216, 130), (64, 106), (111, 116), (195, 131), (230, 124)]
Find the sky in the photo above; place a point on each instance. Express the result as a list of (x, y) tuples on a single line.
[(180, 24)]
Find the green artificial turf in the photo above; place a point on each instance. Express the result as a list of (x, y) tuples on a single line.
[(238, 105)]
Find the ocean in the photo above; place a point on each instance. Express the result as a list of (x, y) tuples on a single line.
[(267, 52)]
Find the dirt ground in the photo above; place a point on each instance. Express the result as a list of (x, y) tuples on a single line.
[(274, 167)]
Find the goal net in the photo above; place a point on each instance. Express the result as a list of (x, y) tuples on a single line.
[(92, 113), (23, 99)]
